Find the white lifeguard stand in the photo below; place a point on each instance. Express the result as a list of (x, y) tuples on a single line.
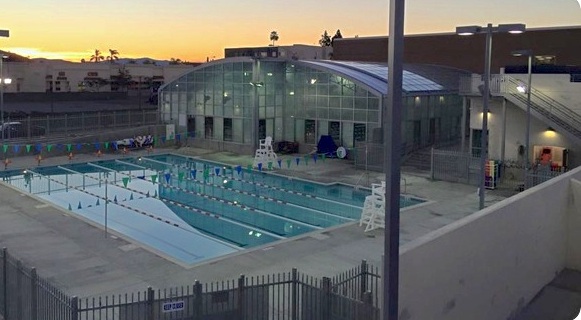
[(265, 154), (373, 214)]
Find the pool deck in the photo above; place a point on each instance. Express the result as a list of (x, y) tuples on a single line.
[(82, 260)]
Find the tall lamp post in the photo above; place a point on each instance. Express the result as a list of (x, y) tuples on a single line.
[(3, 83), (529, 55), (256, 83), (488, 30), (6, 34)]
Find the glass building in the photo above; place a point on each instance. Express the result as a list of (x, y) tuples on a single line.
[(236, 101)]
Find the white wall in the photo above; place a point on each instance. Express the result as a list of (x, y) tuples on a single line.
[(491, 264), (558, 87), (32, 75), (515, 130)]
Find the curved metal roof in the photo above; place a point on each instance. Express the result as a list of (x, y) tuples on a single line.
[(416, 78)]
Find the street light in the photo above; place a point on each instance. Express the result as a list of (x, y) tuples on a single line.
[(529, 55), (256, 83), (256, 115), (488, 30), (5, 34), (3, 83)]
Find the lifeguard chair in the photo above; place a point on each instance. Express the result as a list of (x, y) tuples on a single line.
[(265, 154)]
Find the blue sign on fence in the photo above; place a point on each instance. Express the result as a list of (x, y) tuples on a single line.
[(173, 306)]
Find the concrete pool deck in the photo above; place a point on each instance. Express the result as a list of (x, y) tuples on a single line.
[(80, 259)]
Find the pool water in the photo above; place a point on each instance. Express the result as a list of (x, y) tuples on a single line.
[(193, 210)]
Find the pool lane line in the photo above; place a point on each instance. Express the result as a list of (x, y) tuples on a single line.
[(229, 203), (265, 186), (257, 196), (163, 200)]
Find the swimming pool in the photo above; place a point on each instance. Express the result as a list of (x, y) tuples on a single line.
[(190, 209)]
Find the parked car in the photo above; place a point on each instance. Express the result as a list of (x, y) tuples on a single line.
[(17, 129)]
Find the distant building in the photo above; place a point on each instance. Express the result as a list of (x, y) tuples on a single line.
[(296, 51), (42, 75), (557, 45)]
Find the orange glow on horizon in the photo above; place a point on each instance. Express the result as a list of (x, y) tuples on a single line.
[(194, 31)]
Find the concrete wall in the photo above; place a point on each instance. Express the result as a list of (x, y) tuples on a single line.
[(491, 264), (516, 131), (558, 87)]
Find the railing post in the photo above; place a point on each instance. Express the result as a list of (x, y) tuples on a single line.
[(432, 164), (198, 301), (4, 282), (74, 308), (367, 312), (241, 298), (33, 295), (363, 275), (19, 289), (150, 301), (326, 299), (295, 294)]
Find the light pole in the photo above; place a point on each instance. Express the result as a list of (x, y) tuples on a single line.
[(488, 30), (391, 124), (3, 83), (5, 34), (529, 55)]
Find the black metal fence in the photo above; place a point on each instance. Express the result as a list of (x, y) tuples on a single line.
[(28, 127), (292, 295), (463, 167)]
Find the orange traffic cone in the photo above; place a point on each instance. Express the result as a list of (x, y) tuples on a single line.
[(71, 156), (39, 159), (6, 163), (99, 153)]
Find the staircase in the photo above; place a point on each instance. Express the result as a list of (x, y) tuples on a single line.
[(543, 107), (419, 160)]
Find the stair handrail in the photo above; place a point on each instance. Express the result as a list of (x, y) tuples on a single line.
[(545, 105)]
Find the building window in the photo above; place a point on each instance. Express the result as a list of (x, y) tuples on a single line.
[(209, 128), (92, 74), (310, 127), (335, 130), (227, 129), (359, 132), (476, 147)]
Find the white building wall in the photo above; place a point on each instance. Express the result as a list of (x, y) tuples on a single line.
[(32, 76), (490, 264), (516, 131), (558, 87)]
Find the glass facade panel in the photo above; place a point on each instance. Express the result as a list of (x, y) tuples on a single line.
[(300, 100)]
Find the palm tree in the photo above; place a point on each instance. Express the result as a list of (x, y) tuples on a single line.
[(273, 37), (325, 40), (113, 55), (97, 56)]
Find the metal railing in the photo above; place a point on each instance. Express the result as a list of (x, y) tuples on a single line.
[(290, 295), (54, 125), (25, 295), (554, 111), (463, 167)]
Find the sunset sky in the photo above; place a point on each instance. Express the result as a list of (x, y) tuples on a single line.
[(194, 30)]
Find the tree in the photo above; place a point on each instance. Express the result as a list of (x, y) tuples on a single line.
[(175, 61), (97, 56), (122, 79), (273, 37), (113, 55), (325, 40), (337, 35)]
